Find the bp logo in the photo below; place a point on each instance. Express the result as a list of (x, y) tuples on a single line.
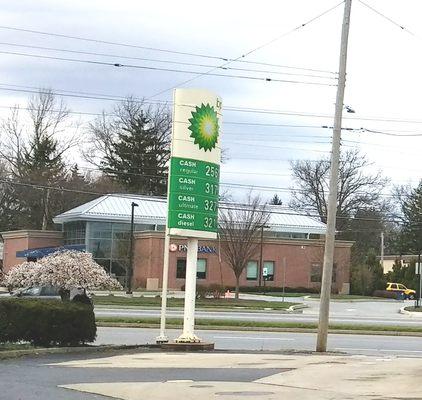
[(204, 127)]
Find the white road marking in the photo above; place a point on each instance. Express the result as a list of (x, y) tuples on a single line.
[(253, 338)]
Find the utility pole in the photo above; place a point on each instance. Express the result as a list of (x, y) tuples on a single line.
[(382, 250), (324, 307)]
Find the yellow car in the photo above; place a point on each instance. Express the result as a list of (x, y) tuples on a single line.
[(401, 290)]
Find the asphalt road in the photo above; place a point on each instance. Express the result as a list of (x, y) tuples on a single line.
[(361, 312), (239, 340), (34, 378)]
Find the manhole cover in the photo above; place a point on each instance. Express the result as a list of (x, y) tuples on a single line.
[(244, 393)]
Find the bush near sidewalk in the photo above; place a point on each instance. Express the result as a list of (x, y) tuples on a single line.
[(388, 294), (46, 322)]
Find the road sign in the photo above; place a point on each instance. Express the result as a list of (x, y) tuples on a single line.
[(195, 164)]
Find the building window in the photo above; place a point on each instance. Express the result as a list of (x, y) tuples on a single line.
[(268, 270), (316, 272), (334, 277), (74, 232), (201, 268), (252, 271)]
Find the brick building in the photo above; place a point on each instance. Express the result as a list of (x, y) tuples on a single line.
[(292, 246)]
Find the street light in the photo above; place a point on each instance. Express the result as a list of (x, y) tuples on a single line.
[(129, 270)]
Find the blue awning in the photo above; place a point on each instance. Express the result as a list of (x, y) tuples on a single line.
[(45, 251)]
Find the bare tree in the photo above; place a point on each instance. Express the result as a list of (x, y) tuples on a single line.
[(33, 153), (356, 190), (239, 228)]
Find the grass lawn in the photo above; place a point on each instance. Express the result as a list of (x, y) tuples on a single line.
[(200, 303), (15, 346), (226, 324), (414, 309)]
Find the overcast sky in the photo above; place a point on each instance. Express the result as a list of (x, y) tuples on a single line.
[(383, 82)]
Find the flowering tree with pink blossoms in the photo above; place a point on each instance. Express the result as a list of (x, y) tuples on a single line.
[(66, 270)]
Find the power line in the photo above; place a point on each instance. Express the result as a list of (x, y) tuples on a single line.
[(133, 46), (402, 27), (391, 134), (244, 55), (167, 61), (228, 108), (156, 49), (89, 192), (144, 67)]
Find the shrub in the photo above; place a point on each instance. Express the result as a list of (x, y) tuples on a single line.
[(388, 294), (46, 322), (274, 289), (201, 291), (216, 291)]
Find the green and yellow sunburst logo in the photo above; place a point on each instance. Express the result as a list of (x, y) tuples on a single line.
[(204, 127)]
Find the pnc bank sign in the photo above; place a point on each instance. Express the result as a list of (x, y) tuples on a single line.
[(201, 249)]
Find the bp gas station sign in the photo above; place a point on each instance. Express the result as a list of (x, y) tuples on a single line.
[(195, 164), (194, 177)]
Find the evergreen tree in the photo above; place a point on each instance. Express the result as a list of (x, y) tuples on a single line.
[(276, 201), (134, 148), (411, 235)]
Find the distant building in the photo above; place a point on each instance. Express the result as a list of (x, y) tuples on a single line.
[(102, 227), (389, 261)]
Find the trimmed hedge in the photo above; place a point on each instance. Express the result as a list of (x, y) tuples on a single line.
[(388, 294), (274, 289), (46, 322)]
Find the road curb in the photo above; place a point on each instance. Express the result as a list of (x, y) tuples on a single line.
[(415, 314), (297, 308), (259, 329), (246, 310), (9, 354)]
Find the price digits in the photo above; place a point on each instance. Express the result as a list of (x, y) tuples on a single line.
[(211, 188), (212, 171), (210, 222)]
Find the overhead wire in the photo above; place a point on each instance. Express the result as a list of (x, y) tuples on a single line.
[(228, 108), (150, 68), (221, 58), (246, 54), (402, 27), (165, 61), (225, 206)]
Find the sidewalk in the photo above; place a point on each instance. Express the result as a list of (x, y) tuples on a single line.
[(299, 376)]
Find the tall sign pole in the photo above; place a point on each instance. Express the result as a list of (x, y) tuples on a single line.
[(327, 272), (194, 183)]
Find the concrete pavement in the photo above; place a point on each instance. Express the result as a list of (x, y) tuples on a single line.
[(313, 377)]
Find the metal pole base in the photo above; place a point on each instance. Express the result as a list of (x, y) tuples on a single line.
[(192, 338), (161, 339)]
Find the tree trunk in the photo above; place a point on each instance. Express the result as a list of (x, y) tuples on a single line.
[(64, 294), (236, 296)]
